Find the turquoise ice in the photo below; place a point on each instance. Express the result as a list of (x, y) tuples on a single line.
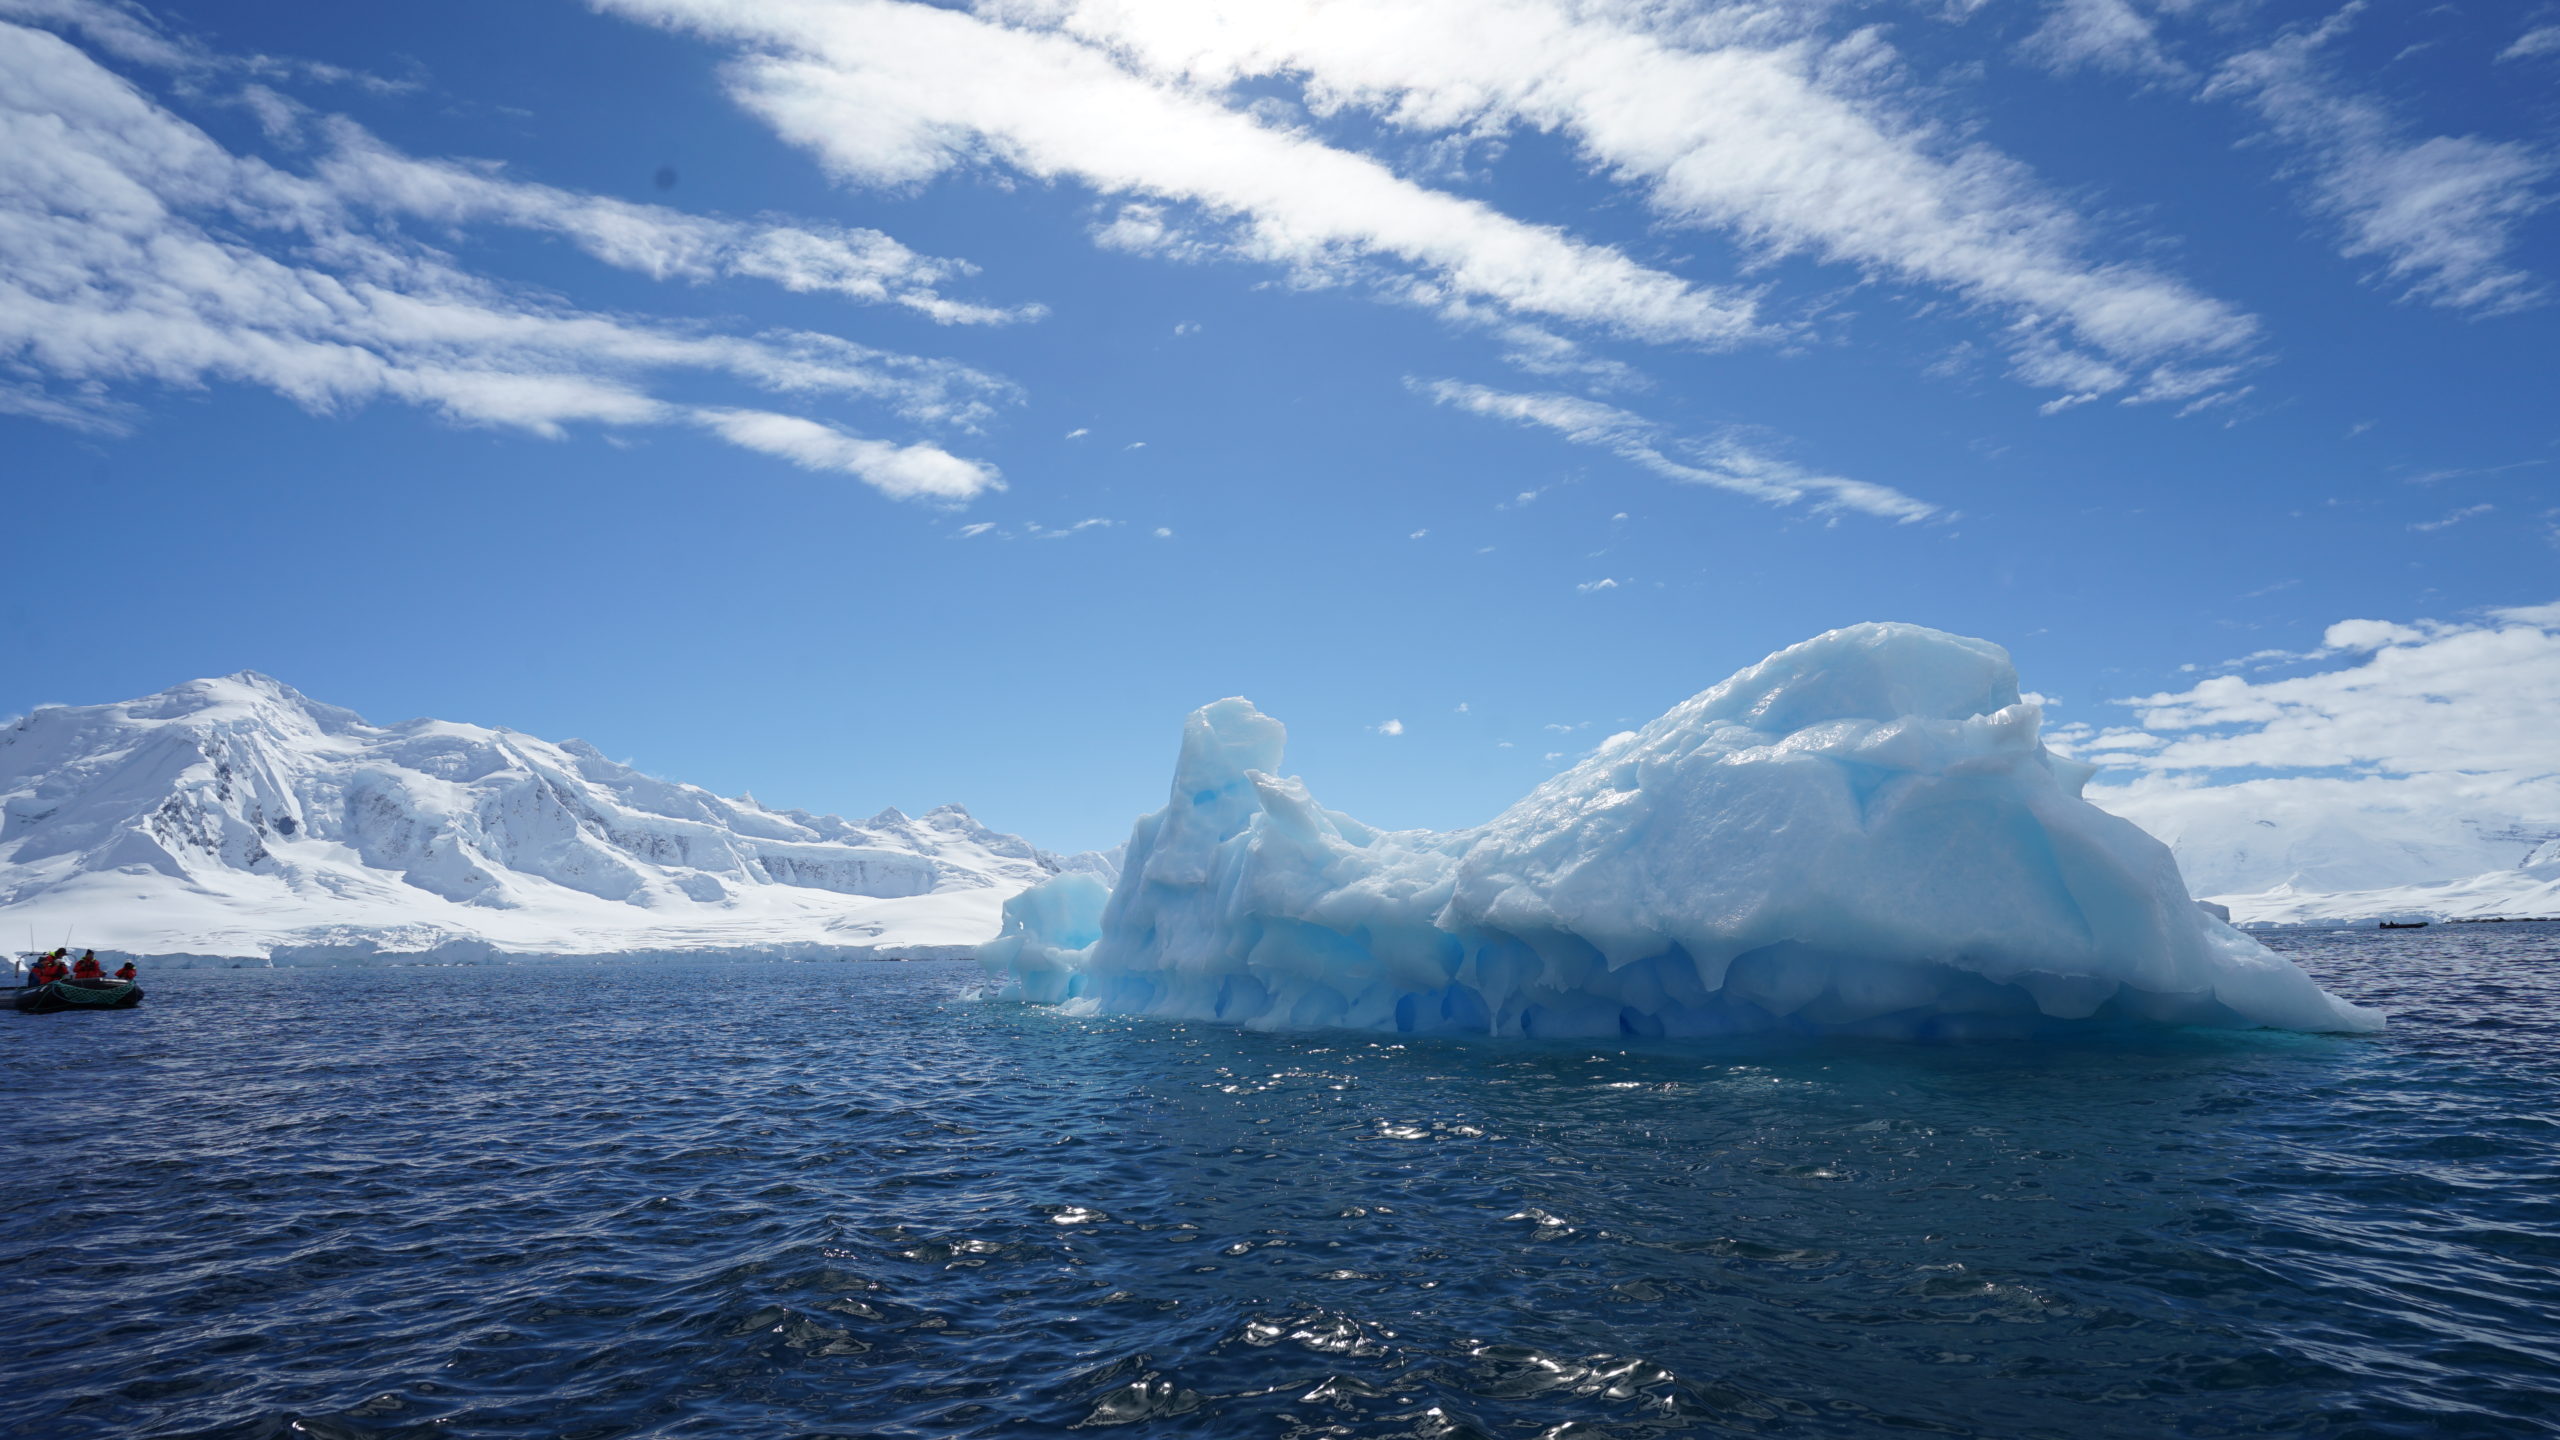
[(1862, 834)]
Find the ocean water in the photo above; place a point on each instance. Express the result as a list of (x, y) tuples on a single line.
[(854, 1200)]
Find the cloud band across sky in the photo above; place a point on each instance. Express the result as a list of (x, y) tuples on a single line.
[(136, 250), (1725, 462)]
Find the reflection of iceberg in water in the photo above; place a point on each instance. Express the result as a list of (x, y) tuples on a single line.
[(1859, 835)]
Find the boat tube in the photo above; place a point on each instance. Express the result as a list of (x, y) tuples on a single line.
[(108, 994)]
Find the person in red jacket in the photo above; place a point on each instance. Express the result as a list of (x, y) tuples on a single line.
[(47, 969), (88, 969), (126, 971)]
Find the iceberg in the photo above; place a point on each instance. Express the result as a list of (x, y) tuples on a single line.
[(1860, 835)]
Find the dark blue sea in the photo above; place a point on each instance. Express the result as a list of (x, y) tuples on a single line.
[(854, 1200)]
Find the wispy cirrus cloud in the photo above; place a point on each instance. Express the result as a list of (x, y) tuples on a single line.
[(2452, 518), (861, 265), (2100, 35), (129, 33), (137, 251), (2437, 213), (1738, 119), (1034, 530), (891, 93), (2535, 43), (1725, 462)]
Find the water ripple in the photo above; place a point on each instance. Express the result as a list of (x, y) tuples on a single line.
[(602, 1202)]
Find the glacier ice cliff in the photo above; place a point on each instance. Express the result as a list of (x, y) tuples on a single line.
[(1862, 835)]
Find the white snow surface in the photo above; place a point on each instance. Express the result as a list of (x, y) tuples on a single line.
[(236, 818), (1862, 834), (2268, 847), (2530, 891)]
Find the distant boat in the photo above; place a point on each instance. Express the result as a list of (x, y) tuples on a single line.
[(2404, 924)]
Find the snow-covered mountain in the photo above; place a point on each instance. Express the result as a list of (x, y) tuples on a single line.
[(238, 818), (2528, 891), (2323, 835), (2316, 851)]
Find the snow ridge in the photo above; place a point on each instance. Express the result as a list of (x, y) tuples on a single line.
[(238, 817)]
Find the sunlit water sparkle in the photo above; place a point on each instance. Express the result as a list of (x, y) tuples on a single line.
[(852, 1200)]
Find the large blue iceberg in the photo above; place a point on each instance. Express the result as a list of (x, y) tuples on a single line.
[(1860, 835)]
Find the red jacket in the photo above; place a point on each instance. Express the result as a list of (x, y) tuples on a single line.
[(87, 969), (46, 971)]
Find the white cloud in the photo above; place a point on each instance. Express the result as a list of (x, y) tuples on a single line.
[(1034, 530), (1462, 708), (2418, 751), (1389, 727), (125, 34), (1590, 586), (2539, 41), (1724, 462), (1162, 532), (2464, 472), (664, 244), (1735, 119), (128, 33), (902, 472), (2358, 637), (891, 93), (2425, 697), (1038, 532), (1078, 433), (2453, 518), (136, 251), (1418, 534), (2101, 35), (2438, 213)]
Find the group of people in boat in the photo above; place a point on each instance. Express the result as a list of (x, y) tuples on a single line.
[(54, 965)]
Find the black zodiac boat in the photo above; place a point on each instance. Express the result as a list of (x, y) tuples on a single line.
[(77, 994)]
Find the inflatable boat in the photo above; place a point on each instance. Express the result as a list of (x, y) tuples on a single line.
[(105, 994)]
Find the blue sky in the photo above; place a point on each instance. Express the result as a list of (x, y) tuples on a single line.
[(876, 403)]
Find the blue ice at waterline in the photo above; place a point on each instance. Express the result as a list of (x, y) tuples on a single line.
[(1860, 835)]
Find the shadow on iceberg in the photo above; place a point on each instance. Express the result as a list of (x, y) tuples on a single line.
[(1860, 835)]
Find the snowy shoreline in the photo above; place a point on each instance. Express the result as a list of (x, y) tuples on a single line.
[(2523, 895), (478, 955)]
